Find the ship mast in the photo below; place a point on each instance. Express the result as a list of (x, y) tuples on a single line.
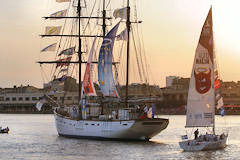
[(79, 36), (79, 52), (128, 25), (104, 19)]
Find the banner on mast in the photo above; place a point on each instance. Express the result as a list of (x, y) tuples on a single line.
[(88, 85), (105, 74)]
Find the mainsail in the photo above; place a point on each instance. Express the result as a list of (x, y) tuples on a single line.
[(105, 75), (201, 94)]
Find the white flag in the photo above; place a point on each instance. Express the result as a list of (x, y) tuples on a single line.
[(220, 103), (53, 30), (120, 13), (62, 13), (40, 104), (59, 1), (51, 47)]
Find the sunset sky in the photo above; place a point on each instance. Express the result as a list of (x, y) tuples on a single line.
[(171, 29)]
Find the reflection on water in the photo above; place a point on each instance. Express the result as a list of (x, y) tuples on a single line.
[(35, 137)]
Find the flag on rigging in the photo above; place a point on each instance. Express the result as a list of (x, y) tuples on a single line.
[(220, 103), (222, 111), (53, 30), (59, 1), (120, 13), (62, 13), (64, 60), (68, 51), (123, 35), (51, 47), (40, 104)]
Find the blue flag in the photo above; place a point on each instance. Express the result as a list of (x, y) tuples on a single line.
[(222, 111)]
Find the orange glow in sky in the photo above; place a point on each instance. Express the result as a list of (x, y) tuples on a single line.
[(171, 29)]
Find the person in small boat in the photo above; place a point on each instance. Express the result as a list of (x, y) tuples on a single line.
[(196, 134)]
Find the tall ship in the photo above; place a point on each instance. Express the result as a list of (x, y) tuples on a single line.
[(204, 95), (103, 110)]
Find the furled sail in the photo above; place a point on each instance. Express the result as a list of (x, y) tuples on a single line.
[(105, 75), (88, 85), (201, 94)]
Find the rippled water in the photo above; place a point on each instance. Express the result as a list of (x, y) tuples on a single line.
[(35, 137)]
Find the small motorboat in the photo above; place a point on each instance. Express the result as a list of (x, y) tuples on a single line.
[(4, 130)]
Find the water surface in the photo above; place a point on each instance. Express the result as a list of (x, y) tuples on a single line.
[(34, 137)]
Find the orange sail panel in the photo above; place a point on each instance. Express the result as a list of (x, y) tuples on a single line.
[(88, 86)]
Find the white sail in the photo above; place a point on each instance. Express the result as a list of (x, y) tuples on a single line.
[(201, 94)]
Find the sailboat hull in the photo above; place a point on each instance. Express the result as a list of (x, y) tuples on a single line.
[(196, 145), (115, 129)]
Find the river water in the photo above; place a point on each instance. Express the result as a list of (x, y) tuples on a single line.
[(34, 137)]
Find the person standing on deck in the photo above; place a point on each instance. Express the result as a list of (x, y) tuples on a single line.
[(196, 134)]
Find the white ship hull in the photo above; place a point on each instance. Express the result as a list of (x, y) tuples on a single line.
[(114, 129), (194, 145)]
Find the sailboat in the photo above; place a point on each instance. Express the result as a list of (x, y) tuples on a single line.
[(115, 117), (204, 95)]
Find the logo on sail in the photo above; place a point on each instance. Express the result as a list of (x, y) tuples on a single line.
[(202, 81)]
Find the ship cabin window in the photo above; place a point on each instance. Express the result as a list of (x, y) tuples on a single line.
[(7, 99), (55, 98), (34, 98), (69, 98), (27, 99), (20, 98), (14, 98)]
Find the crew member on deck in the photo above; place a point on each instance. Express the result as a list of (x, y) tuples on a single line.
[(196, 134)]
